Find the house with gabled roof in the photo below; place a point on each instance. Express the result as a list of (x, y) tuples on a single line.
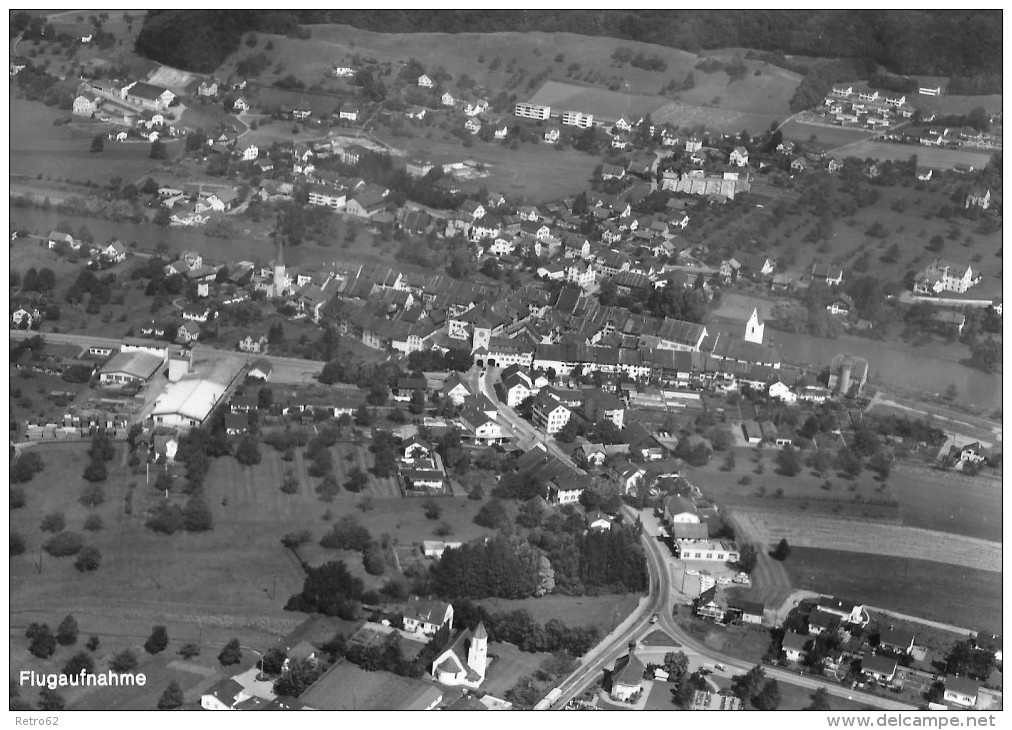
[(795, 646), (427, 616)]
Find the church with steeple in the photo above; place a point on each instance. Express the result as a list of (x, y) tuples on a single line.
[(465, 662), (754, 328), (281, 284)]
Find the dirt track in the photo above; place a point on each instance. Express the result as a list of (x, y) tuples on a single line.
[(869, 537)]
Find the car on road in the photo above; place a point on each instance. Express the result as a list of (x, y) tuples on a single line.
[(654, 618), (720, 667)]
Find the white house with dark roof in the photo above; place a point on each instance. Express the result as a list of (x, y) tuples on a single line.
[(425, 616), (849, 612), (961, 691), (795, 646)]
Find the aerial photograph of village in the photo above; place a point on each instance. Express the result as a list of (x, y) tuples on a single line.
[(505, 360)]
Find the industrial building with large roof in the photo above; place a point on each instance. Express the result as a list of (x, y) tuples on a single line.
[(124, 368)]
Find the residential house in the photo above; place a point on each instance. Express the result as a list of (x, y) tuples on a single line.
[(261, 370), (472, 125), (348, 112), (848, 611), (798, 164), (841, 304), (427, 616), (253, 343), (447, 99), (240, 105), (425, 82), (961, 691), (942, 276), (85, 104), (188, 332), (978, 197), (832, 275), (878, 667), (549, 414), (551, 135), (114, 252), (738, 157), (208, 87), (795, 646), (896, 641)]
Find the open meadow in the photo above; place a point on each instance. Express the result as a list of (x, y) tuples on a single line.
[(921, 588), (538, 173), (876, 538), (38, 147), (938, 158)]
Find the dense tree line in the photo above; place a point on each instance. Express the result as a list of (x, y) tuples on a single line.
[(930, 42), (518, 628), (503, 567), (329, 589)]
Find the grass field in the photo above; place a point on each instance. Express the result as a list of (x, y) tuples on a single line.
[(875, 539), (946, 104), (37, 147), (742, 641), (830, 136), (578, 70), (535, 172), (605, 612), (938, 158), (920, 588), (508, 666)]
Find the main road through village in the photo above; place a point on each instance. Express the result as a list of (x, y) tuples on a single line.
[(660, 601)]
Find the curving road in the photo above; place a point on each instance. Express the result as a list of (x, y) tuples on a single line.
[(525, 433), (660, 602)]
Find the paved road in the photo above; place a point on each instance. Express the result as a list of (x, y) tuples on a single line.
[(660, 602), (525, 433)]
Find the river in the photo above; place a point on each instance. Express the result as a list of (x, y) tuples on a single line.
[(893, 364)]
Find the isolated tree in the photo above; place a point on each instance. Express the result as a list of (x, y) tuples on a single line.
[(197, 514), (747, 686), (158, 150), (432, 509), (748, 557), (769, 697), (273, 661), (299, 676), (125, 661), (248, 451), (172, 697), (93, 523), (357, 480), (96, 471), (98, 143), (80, 660), (782, 550), (231, 654), (158, 640), (92, 495), (53, 522), (93, 642), (17, 544), (290, 484), (788, 461), (88, 559), (819, 700), (43, 643), (66, 632), (676, 664)]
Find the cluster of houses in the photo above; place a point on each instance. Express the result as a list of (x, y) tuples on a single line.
[(868, 108)]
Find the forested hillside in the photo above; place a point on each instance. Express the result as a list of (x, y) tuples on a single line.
[(927, 42)]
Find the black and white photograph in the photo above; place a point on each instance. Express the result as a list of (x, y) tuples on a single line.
[(504, 359)]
